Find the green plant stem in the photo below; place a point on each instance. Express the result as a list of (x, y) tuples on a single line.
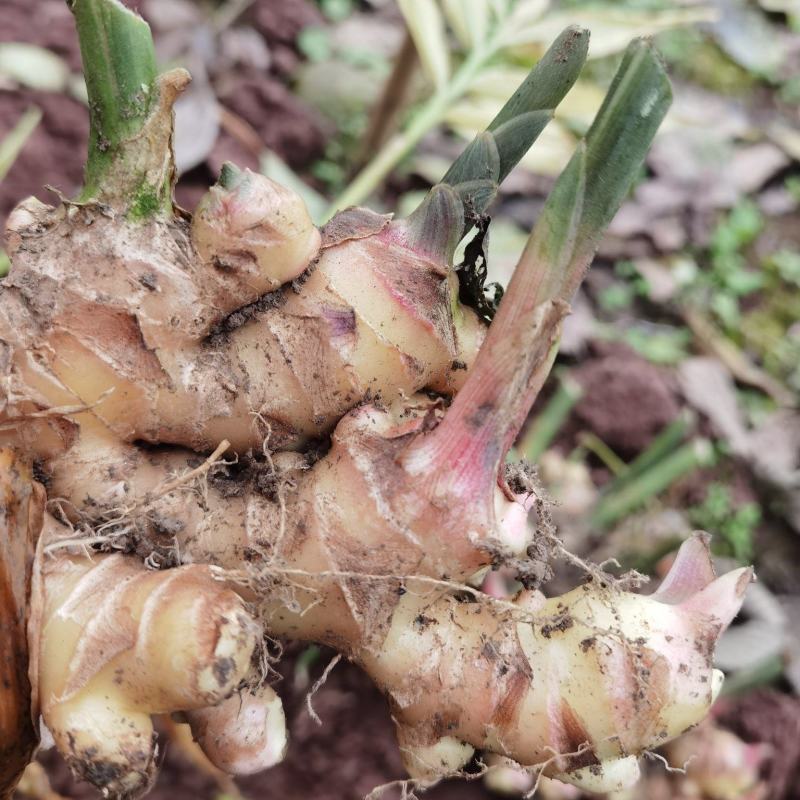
[(489, 158), (520, 347), (547, 424), (600, 174), (402, 143), (513, 130), (475, 176), (666, 441), (305, 661), (766, 672), (227, 14), (613, 506), (119, 66), (384, 116), (130, 165)]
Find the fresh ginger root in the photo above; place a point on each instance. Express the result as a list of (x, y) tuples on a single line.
[(104, 666), (580, 683), (179, 355), (176, 330), (133, 338)]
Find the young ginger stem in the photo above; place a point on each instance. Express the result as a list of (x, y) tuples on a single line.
[(528, 112), (487, 413), (130, 165), (487, 161)]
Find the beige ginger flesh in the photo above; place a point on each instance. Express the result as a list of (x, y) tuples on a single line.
[(580, 683)]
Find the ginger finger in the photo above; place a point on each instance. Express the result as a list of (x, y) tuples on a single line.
[(118, 643), (244, 734)]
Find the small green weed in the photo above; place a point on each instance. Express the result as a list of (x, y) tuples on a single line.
[(734, 526)]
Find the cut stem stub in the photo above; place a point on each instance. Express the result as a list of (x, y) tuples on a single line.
[(130, 165)]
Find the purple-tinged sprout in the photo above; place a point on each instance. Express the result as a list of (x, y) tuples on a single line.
[(462, 456), (255, 230)]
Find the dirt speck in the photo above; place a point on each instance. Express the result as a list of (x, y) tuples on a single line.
[(558, 626)]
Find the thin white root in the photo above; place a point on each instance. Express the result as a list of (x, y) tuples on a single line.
[(318, 684)]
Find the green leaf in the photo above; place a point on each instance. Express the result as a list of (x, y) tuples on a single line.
[(469, 20), (34, 67), (679, 463), (480, 161), (314, 43), (611, 28), (556, 143), (494, 153), (426, 26), (337, 10), (591, 189), (662, 345), (525, 13), (5, 263), (787, 263)]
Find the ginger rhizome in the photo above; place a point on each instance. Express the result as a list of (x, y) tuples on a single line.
[(105, 665), (340, 503)]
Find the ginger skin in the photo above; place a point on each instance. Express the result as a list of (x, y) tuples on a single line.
[(21, 510), (105, 665), (169, 354)]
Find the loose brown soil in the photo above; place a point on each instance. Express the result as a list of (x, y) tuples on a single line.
[(773, 718), (627, 400), (261, 102)]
